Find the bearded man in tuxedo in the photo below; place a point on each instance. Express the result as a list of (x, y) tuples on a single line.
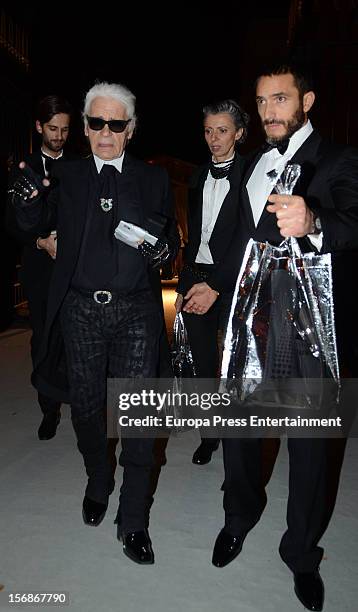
[(322, 213)]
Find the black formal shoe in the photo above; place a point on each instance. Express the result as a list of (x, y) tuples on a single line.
[(48, 427), (309, 589), (93, 512), (203, 453), (137, 546), (226, 548)]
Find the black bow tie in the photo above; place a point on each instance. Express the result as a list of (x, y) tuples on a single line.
[(280, 146)]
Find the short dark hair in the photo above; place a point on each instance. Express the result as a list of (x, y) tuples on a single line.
[(50, 106), (240, 118), (302, 75)]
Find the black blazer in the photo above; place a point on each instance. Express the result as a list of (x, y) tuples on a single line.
[(35, 161), (329, 185), (225, 223), (144, 187), (37, 265)]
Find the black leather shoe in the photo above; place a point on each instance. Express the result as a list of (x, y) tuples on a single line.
[(48, 427), (309, 589), (93, 512), (204, 451), (226, 548), (137, 546)]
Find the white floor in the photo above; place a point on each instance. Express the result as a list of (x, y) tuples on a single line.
[(44, 545)]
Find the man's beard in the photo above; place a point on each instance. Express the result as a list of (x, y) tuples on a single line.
[(292, 125), (54, 145)]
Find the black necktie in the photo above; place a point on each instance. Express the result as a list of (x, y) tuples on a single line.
[(49, 161), (281, 146), (107, 174), (108, 170), (107, 187)]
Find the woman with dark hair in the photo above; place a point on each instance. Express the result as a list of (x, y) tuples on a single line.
[(213, 202)]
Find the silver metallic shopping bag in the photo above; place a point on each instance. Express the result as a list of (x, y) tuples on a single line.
[(280, 348), (182, 359), (183, 368)]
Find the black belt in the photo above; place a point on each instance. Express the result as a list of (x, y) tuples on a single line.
[(101, 296)]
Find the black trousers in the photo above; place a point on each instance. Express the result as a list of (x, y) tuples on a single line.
[(37, 302), (307, 508), (202, 333), (118, 339)]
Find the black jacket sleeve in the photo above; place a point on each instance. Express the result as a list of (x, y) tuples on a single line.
[(339, 211)]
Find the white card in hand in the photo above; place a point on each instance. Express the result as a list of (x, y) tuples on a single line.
[(133, 235)]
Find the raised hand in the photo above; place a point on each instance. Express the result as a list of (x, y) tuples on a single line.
[(28, 185), (293, 216)]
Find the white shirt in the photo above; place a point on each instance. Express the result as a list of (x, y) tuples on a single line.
[(117, 162), (214, 193), (259, 185)]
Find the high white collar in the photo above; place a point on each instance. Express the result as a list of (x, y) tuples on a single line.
[(117, 162)]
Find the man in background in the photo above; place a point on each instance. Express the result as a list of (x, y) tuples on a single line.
[(53, 116)]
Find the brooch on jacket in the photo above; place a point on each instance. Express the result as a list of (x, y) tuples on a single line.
[(106, 204)]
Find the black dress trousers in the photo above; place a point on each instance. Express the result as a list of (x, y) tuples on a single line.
[(203, 333), (116, 340), (307, 508), (36, 291)]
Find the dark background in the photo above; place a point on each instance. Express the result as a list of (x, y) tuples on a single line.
[(177, 58)]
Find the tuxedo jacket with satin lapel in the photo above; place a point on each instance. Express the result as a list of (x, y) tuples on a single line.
[(144, 191), (329, 185), (225, 223)]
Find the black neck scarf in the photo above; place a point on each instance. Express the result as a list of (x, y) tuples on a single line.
[(219, 171)]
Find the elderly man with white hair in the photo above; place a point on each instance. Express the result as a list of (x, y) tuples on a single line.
[(101, 297)]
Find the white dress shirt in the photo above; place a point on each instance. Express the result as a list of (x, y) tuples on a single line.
[(259, 186), (117, 162), (214, 193)]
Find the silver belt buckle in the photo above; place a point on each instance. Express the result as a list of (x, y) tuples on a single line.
[(102, 297)]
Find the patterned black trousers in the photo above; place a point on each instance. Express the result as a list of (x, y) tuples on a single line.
[(116, 340)]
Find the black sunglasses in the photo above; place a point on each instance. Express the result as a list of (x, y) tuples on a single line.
[(115, 125)]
